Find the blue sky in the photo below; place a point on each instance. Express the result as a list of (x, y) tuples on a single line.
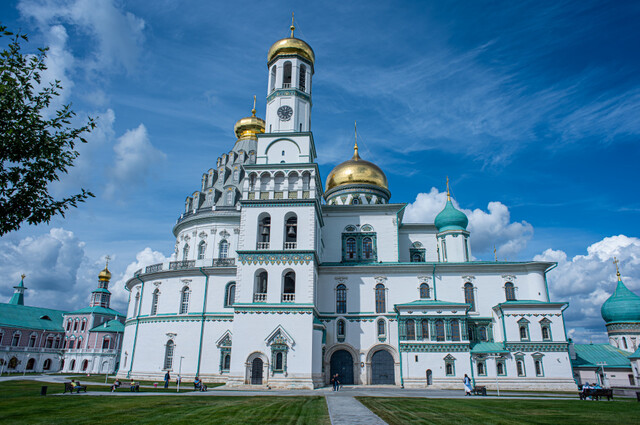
[(531, 108)]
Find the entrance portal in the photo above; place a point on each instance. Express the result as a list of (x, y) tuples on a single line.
[(382, 368), (256, 371), (342, 364)]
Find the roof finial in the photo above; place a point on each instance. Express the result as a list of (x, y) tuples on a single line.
[(616, 261), (448, 192), (495, 253), (107, 258), (292, 27), (23, 276), (355, 146), (253, 111)]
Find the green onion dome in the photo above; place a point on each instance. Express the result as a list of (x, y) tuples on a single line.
[(451, 218), (622, 306)]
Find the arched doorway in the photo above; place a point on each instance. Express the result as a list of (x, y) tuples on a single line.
[(342, 364), (256, 371), (382, 368), (13, 363), (85, 363), (429, 377), (30, 364)]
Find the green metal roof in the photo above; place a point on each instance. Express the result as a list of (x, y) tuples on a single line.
[(97, 310), (622, 306), (488, 347), (451, 218), (589, 355), (27, 317), (427, 303), (102, 290), (635, 355), (110, 326)]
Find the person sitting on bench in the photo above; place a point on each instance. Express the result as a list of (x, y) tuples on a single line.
[(116, 385)]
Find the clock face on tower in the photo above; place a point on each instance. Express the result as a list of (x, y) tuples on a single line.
[(285, 113)]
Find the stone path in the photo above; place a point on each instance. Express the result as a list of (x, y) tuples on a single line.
[(346, 410)]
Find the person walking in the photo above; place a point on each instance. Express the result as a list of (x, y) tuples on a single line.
[(167, 378), (467, 385)]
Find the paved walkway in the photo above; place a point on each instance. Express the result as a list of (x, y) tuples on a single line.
[(346, 410)]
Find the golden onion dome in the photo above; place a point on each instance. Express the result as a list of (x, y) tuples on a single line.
[(104, 274), (249, 127), (356, 171), (291, 46)]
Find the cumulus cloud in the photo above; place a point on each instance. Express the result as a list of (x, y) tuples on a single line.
[(119, 34), (135, 159), (586, 281), (51, 263), (489, 228)]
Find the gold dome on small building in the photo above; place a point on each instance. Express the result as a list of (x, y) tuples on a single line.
[(104, 274), (356, 171), (291, 46), (249, 127)]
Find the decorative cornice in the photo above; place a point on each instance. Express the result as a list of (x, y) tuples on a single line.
[(275, 257)]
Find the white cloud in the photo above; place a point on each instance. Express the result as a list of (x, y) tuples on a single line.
[(50, 261), (586, 281), (118, 34), (135, 160), (488, 228)]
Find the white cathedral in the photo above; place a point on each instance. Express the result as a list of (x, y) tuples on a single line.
[(283, 282)]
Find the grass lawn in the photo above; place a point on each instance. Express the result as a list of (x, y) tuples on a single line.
[(20, 403), (492, 411)]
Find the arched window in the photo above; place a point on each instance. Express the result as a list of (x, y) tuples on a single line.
[(79, 344), (260, 289), (380, 298), (264, 232), (202, 247), (69, 325), (302, 80), (154, 301), (424, 290), (136, 304), (184, 300), (273, 78), (367, 248), (509, 291), (449, 369), (84, 365), (341, 299), (624, 343), (424, 328), (226, 364), (523, 332), (444, 251), (185, 252), (500, 368), (230, 296), (410, 329), (351, 248), (520, 368), (538, 366), (75, 325), (223, 249), (32, 341), (416, 258), (483, 333), (291, 233), (439, 330), (72, 366), (83, 326), (16, 339), (293, 182), (289, 287), (468, 296), (278, 365), (455, 330), (481, 368), (106, 342), (286, 77), (236, 175), (47, 364), (381, 327), (168, 355), (340, 328), (230, 195)]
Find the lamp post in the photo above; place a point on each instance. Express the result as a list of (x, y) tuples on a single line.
[(496, 358), (24, 372), (604, 378), (179, 372)]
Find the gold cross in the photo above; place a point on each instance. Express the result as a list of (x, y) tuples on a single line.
[(107, 258), (616, 261)]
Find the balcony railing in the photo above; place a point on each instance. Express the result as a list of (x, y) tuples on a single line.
[(286, 85), (290, 245), (153, 268), (288, 298), (263, 245), (223, 262), (259, 298), (180, 265)]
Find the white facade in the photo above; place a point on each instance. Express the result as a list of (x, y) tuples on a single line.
[(304, 290)]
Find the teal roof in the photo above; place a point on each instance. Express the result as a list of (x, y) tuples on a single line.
[(488, 347), (451, 218), (423, 302), (26, 317), (103, 290), (18, 296), (622, 306), (97, 310), (528, 302), (635, 355), (589, 355), (110, 326)]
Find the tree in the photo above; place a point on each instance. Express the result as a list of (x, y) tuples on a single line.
[(34, 150)]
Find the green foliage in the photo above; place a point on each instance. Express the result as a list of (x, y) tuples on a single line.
[(34, 150)]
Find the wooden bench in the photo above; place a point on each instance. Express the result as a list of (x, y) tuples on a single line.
[(596, 393), (479, 391), (68, 386), (134, 388)]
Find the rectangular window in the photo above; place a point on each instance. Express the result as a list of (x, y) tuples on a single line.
[(450, 369)]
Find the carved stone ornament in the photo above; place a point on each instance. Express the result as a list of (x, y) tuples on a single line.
[(424, 279), (341, 279), (171, 335), (509, 277), (468, 278), (380, 279), (213, 230), (224, 234), (157, 284), (236, 230), (202, 235), (195, 232), (186, 282)]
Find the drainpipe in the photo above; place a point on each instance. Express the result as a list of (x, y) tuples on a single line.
[(546, 285), (399, 351), (135, 336), (504, 329), (204, 309), (473, 378), (433, 276)]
